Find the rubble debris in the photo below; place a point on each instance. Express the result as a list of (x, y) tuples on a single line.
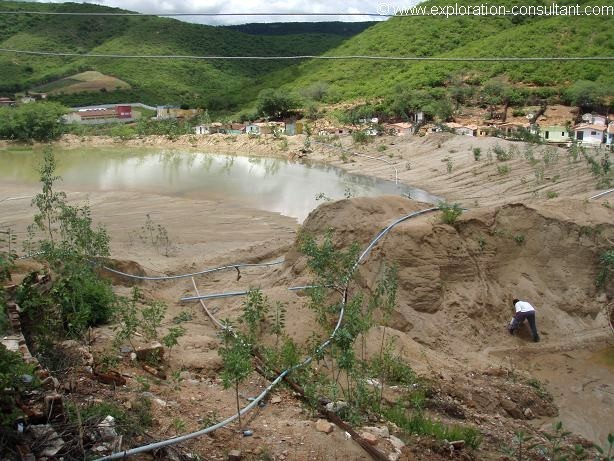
[(458, 444), (54, 406), (336, 407), (153, 352), (154, 371), (511, 409), (110, 377), (46, 438), (396, 442), (371, 439), (324, 426), (382, 431), (235, 455)]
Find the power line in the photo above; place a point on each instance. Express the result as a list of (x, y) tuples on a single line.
[(298, 57), (75, 13)]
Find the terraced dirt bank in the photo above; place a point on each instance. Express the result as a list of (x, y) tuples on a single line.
[(455, 287)]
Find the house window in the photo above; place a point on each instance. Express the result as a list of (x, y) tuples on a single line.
[(593, 133), (547, 134), (563, 134)]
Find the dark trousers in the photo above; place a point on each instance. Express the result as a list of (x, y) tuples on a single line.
[(519, 319)]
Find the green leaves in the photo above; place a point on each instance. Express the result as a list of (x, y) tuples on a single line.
[(39, 121), (236, 359), (255, 309), (450, 212)]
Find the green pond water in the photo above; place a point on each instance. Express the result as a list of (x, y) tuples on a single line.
[(277, 185)]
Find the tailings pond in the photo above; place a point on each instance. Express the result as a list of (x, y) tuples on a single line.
[(278, 185)]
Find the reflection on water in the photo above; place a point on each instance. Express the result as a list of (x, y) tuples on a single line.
[(270, 184)]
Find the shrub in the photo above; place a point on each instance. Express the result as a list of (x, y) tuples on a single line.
[(360, 137), (12, 382), (477, 153), (606, 267), (501, 154), (503, 169), (450, 212), (551, 194)]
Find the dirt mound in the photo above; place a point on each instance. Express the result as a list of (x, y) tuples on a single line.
[(456, 282)]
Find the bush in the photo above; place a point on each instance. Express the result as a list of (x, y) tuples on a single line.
[(477, 153), (12, 382), (450, 212), (360, 137), (501, 154), (32, 122), (503, 169)]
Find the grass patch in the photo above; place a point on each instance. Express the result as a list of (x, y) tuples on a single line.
[(418, 424)]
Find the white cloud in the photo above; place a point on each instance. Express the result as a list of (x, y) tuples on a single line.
[(254, 6)]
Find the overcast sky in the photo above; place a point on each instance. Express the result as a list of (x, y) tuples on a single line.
[(255, 6)]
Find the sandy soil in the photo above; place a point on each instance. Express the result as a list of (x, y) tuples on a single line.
[(455, 284)]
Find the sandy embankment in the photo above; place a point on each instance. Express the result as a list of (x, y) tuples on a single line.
[(444, 274)]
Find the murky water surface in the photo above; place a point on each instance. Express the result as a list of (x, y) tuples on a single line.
[(278, 185)]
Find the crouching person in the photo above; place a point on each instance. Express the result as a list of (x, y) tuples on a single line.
[(524, 311)]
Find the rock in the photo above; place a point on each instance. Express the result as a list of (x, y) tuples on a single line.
[(160, 403), (133, 356), (276, 399), (185, 375), (336, 407), (396, 442), (106, 429), (125, 349), (378, 431), (458, 444), (153, 351), (512, 409), (371, 439), (51, 442), (234, 455), (394, 456), (528, 413), (324, 426)]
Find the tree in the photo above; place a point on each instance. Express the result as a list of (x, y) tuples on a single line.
[(236, 360), (585, 94), (32, 122), (276, 103), (48, 201), (316, 91)]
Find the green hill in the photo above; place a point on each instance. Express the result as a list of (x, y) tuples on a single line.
[(228, 85), (216, 84), (466, 37)]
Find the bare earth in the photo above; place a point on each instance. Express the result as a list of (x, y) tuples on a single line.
[(455, 285)]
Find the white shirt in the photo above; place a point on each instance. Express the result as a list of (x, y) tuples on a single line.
[(523, 306)]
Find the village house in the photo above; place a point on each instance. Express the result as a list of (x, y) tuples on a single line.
[(169, 112), (6, 102), (201, 130), (259, 128), (590, 134), (511, 129), (609, 139), (101, 115), (486, 130), (294, 128), (555, 134), (468, 130), (399, 129), (234, 128)]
